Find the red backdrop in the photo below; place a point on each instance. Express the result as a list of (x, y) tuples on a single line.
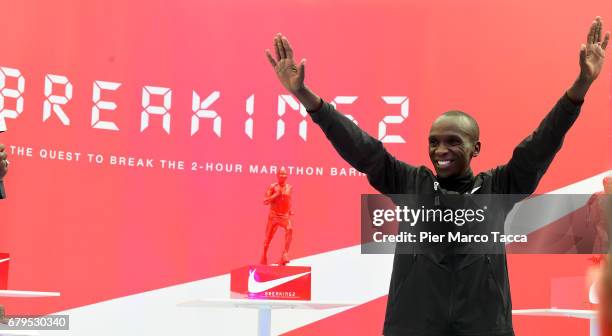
[(101, 231)]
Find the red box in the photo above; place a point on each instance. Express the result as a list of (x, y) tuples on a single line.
[(4, 269), (271, 282)]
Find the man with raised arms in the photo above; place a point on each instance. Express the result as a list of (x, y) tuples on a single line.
[(456, 294)]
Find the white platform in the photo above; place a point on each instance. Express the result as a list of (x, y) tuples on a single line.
[(32, 294), (264, 308), (23, 294), (273, 304), (591, 315)]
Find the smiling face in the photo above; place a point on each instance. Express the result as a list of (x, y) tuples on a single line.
[(453, 141)]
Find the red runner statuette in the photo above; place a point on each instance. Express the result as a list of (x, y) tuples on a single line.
[(279, 198)]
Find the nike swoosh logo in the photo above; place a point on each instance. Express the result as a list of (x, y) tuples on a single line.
[(475, 189), (593, 294), (255, 286), (3, 260)]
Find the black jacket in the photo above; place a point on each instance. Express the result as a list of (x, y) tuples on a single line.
[(473, 298)]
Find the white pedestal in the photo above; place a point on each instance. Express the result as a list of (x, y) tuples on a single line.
[(23, 294), (591, 315), (32, 294), (264, 308)]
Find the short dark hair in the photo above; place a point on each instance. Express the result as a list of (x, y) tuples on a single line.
[(457, 113)]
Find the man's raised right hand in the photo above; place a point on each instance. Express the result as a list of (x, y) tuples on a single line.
[(289, 74)]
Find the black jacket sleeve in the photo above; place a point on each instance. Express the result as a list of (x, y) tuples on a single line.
[(533, 155), (2, 193), (365, 153)]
